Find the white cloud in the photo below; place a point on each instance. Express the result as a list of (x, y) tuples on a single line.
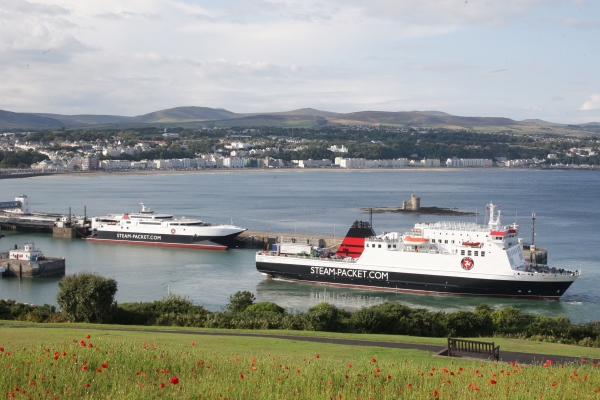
[(576, 23), (130, 57), (452, 11), (592, 104)]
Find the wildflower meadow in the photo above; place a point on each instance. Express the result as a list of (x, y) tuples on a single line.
[(100, 366)]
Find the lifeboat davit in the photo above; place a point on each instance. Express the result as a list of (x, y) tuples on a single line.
[(415, 241)]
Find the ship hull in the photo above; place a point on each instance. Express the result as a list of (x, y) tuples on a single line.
[(363, 278), (165, 240)]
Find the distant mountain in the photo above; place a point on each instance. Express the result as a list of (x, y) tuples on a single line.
[(73, 120), (194, 117), (421, 118), (185, 114), (540, 122), (11, 120), (438, 113), (307, 112)]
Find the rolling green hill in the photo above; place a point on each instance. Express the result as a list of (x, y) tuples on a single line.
[(194, 117)]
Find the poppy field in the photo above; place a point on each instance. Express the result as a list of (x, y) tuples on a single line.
[(99, 365)]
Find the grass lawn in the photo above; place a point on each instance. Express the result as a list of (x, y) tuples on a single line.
[(63, 363)]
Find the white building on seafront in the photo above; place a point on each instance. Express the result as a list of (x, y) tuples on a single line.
[(359, 163), (455, 162)]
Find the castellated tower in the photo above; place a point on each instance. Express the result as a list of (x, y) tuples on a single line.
[(414, 204)]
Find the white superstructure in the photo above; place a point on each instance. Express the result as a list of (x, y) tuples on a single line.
[(442, 257)]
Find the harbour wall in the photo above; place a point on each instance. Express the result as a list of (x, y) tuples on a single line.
[(261, 239), (33, 269)]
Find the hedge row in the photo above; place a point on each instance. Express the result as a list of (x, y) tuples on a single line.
[(387, 318)]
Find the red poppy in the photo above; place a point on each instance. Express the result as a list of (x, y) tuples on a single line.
[(193, 344), (86, 385), (493, 382), (389, 377), (85, 368), (409, 385), (174, 380), (98, 369), (553, 383), (87, 336), (1, 348), (346, 376), (11, 394), (162, 385), (349, 365), (298, 371), (373, 360), (475, 388), (241, 376), (377, 370), (317, 356), (104, 365)]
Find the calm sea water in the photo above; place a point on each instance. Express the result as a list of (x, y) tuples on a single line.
[(325, 202)]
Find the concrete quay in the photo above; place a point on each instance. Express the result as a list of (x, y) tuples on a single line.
[(260, 239), (43, 268)]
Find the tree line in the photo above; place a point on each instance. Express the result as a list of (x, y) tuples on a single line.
[(86, 297)]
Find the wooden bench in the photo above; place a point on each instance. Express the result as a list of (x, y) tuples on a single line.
[(473, 348)]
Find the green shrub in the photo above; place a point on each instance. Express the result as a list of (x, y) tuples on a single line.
[(265, 307), (87, 297), (325, 317), (467, 324), (509, 320), (239, 301), (157, 312)]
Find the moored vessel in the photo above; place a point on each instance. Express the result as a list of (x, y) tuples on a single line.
[(433, 258), (151, 229)]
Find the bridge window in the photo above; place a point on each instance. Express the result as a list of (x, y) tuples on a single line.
[(379, 246), (445, 241), (483, 254), (469, 252), (462, 252), (476, 253)]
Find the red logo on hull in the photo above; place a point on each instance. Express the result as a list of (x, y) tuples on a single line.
[(467, 263)]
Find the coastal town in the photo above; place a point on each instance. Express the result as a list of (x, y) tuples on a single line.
[(247, 148)]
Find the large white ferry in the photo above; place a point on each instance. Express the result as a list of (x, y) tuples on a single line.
[(148, 228), (444, 257)]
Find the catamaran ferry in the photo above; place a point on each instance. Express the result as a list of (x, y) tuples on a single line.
[(150, 229), (433, 258)]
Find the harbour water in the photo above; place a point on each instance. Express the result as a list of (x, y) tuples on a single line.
[(312, 201)]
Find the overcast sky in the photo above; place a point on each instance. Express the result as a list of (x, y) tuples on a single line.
[(513, 58)]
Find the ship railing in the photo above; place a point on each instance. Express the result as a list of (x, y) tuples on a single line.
[(305, 257), (544, 269), (458, 226)]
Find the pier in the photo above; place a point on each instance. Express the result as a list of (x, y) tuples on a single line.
[(17, 216), (30, 262), (262, 239)]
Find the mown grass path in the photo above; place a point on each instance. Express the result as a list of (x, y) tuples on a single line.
[(512, 356)]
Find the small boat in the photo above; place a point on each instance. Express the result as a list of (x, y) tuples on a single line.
[(415, 241), (472, 244)]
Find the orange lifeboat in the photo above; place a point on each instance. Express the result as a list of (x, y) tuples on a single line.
[(472, 244), (415, 241)]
